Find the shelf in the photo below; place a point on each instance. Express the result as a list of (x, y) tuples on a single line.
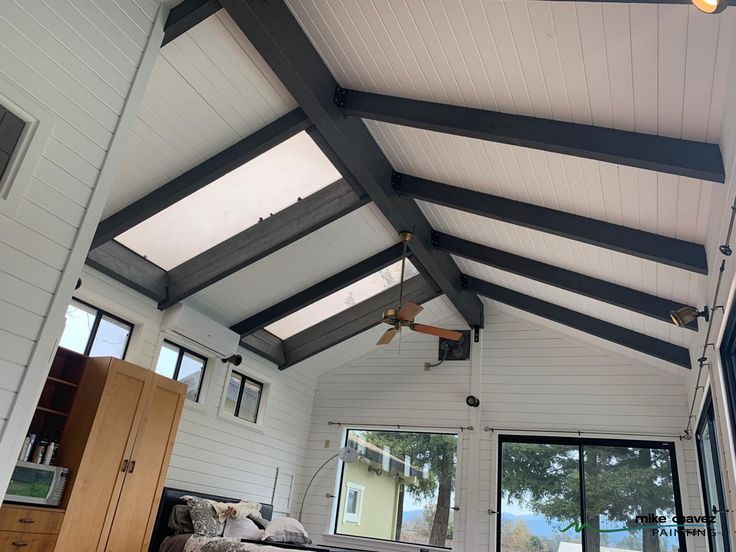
[(62, 381), (52, 411)]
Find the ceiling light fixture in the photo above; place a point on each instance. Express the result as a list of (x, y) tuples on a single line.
[(710, 6), (684, 315)]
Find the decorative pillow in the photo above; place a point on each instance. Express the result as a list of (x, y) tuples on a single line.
[(203, 517), (180, 521), (242, 528), (235, 510), (261, 522), (286, 530)]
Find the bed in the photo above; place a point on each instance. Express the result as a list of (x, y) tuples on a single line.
[(171, 497)]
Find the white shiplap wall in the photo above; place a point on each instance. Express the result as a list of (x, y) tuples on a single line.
[(213, 454), (532, 378), (85, 63)]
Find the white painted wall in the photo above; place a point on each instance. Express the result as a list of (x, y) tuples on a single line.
[(528, 377), (213, 453), (85, 64)]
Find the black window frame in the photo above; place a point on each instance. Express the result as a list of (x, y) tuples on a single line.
[(580, 442), (728, 359), (453, 508), (182, 351), (243, 380), (707, 417), (99, 314)]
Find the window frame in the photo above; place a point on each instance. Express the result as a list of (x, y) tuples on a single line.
[(340, 479), (182, 351), (728, 360), (354, 517), (243, 380), (99, 314), (39, 122), (581, 442), (708, 417)]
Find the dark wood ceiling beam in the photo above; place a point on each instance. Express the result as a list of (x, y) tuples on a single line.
[(614, 294), (266, 345), (354, 320), (633, 149), (186, 15), (200, 176), (605, 330), (129, 268), (662, 249), (320, 290), (271, 234), (278, 37)]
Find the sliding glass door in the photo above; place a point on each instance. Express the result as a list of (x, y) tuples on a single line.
[(711, 482), (587, 495)]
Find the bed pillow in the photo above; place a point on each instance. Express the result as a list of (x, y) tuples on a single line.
[(287, 530), (261, 522), (180, 521), (236, 510), (203, 517), (242, 528)]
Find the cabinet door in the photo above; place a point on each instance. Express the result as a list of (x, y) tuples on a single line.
[(141, 492), (100, 476)]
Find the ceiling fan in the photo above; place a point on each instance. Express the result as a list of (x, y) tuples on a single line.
[(403, 315)]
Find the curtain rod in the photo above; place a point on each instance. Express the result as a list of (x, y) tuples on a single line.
[(572, 432), (400, 426)]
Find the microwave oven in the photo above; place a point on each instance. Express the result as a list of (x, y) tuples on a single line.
[(37, 484)]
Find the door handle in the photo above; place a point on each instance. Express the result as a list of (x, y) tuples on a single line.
[(132, 467), (124, 467)]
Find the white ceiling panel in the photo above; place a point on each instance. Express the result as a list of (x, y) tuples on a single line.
[(645, 200), (333, 248), (584, 305), (209, 89), (658, 69), (655, 278)]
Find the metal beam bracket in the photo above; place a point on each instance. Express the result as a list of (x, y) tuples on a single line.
[(434, 237), (463, 278), (476, 334), (340, 96), (396, 181)]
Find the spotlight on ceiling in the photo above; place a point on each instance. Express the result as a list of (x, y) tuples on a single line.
[(235, 360), (710, 6), (683, 316)]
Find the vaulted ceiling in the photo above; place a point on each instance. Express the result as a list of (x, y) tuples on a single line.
[(555, 157)]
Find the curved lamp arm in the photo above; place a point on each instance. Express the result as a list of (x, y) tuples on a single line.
[(346, 454)]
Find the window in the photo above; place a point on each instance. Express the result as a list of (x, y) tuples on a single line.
[(183, 365), (243, 399), (714, 499), (11, 130), (353, 502), (402, 489), (623, 490), (94, 332), (276, 179), (341, 300)]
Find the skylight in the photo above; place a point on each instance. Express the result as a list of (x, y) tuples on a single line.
[(269, 183), (341, 300)]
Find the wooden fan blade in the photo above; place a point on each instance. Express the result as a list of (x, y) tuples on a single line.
[(387, 336), (439, 332), (409, 311)]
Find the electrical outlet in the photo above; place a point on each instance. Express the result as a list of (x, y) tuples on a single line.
[(327, 443)]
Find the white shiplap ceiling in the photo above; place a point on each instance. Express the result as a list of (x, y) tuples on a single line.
[(209, 89), (309, 260)]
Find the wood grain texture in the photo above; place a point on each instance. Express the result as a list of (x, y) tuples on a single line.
[(30, 520)]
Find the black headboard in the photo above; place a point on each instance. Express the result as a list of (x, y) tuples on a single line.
[(171, 497)]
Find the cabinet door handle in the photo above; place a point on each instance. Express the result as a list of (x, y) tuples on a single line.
[(124, 466), (27, 520), (132, 467), (20, 544)]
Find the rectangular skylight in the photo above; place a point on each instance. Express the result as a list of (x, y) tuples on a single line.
[(339, 301), (265, 185)]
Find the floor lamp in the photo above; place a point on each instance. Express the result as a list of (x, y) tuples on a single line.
[(345, 454)]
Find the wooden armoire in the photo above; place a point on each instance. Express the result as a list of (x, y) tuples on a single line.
[(117, 445)]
